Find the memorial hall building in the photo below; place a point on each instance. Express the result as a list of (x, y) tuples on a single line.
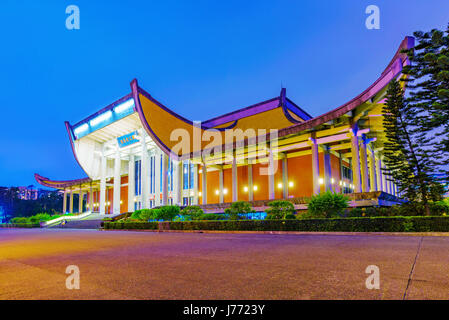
[(138, 153)]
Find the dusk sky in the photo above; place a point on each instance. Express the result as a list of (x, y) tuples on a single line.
[(199, 58)]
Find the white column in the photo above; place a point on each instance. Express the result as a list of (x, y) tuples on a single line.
[(157, 174), (385, 181), (327, 170), (195, 184), (177, 181), (91, 198), (131, 182), (235, 189), (64, 202), (117, 182), (379, 175), (356, 174), (285, 177), (103, 185), (71, 201), (372, 177), (204, 184), (80, 201), (165, 161), (220, 188), (271, 194), (144, 169), (364, 166), (315, 167), (250, 182)]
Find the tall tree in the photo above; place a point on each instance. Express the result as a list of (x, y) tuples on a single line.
[(406, 150), (428, 88)]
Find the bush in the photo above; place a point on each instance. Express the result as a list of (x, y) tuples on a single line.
[(238, 209), (166, 213), (192, 212), (327, 205), (213, 216), (20, 220), (136, 215), (148, 214), (131, 225), (40, 217), (281, 209)]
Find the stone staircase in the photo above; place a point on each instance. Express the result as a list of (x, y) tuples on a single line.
[(79, 224)]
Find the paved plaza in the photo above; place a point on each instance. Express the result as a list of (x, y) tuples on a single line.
[(152, 265)]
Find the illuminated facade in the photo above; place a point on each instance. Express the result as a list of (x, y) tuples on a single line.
[(137, 153)]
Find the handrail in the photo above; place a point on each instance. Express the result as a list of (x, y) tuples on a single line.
[(53, 221)]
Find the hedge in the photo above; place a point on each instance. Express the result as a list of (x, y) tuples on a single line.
[(371, 224), (20, 225), (131, 225)]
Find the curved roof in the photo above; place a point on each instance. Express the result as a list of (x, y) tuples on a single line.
[(59, 184)]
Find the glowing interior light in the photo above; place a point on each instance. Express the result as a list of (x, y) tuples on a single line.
[(124, 106), (199, 194), (109, 203), (290, 184), (192, 193), (217, 192), (332, 180), (344, 184), (82, 128), (340, 183), (102, 117), (225, 191), (121, 201), (255, 188), (245, 189), (321, 180), (279, 185)]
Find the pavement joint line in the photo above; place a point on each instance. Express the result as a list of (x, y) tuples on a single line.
[(412, 269)]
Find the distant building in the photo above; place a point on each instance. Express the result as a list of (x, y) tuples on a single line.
[(28, 193)]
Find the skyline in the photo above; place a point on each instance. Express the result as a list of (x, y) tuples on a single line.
[(239, 59)]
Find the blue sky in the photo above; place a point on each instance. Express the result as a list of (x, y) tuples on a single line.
[(200, 58)]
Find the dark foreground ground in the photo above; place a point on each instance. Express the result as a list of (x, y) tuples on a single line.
[(148, 265)]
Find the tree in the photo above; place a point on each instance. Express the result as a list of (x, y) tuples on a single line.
[(406, 149), (428, 87), (238, 209), (281, 209), (326, 205)]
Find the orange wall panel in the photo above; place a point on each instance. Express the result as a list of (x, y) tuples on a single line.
[(300, 173)]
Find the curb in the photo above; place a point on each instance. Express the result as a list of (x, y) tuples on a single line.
[(330, 233)]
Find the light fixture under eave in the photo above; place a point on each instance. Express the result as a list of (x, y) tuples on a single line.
[(101, 118), (80, 129), (125, 106)]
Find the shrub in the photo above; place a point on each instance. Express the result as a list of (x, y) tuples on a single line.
[(327, 205), (238, 209), (166, 213), (281, 209), (192, 212), (147, 214), (20, 220), (136, 215), (213, 216), (40, 217)]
